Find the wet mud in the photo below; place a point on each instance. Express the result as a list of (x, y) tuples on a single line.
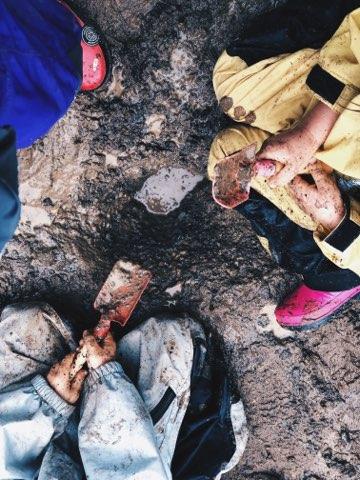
[(158, 110)]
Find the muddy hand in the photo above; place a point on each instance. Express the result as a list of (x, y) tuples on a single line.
[(322, 200), (98, 353), (65, 380), (295, 148), (231, 184)]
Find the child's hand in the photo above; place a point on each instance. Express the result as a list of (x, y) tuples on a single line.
[(232, 176), (98, 354), (321, 201), (296, 148), (65, 381)]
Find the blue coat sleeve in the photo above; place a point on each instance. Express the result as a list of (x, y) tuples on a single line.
[(9, 200)]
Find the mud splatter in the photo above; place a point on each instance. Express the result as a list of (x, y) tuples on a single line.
[(226, 103), (239, 112), (272, 326), (250, 118)]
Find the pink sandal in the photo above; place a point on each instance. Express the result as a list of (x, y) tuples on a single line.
[(307, 309), (94, 56)]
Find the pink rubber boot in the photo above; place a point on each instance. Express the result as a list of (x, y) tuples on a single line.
[(307, 309)]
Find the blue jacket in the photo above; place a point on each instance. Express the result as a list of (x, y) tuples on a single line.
[(40, 65), (40, 74)]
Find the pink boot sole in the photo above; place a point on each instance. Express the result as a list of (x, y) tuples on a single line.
[(95, 68), (307, 309)]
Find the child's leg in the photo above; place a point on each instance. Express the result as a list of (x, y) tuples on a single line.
[(148, 355), (287, 233), (32, 338), (166, 358)]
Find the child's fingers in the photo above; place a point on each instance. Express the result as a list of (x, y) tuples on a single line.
[(80, 359), (304, 193), (282, 178), (264, 168), (273, 151), (68, 360), (109, 340), (78, 380), (86, 333), (325, 183), (89, 339)]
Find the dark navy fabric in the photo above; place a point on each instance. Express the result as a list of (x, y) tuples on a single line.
[(38, 78), (294, 248), (296, 25), (206, 441), (9, 200)]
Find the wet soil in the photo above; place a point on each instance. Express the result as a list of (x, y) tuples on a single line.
[(301, 392)]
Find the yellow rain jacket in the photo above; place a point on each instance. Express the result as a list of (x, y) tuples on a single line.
[(275, 93)]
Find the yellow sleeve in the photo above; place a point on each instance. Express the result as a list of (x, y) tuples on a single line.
[(271, 94), (342, 245)]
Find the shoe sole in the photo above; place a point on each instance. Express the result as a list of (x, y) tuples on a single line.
[(102, 43), (319, 323)]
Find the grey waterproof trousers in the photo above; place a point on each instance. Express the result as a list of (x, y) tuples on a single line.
[(111, 434)]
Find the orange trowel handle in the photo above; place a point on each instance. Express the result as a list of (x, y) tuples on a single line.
[(102, 328)]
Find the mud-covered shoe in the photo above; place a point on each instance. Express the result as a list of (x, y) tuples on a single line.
[(94, 55), (306, 309)]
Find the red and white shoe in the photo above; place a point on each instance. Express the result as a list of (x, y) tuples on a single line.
[(307, 309), (95, 66)]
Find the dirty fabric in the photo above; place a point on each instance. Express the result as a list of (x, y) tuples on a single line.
[(291, 27), (9, 200), (271, 95), (203, 420), (39, 40), (119, 430)]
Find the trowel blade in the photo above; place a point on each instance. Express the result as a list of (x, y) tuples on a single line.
[(231, 184), (121, 292)]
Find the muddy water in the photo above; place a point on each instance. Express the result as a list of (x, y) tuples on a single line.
[(163, 192)]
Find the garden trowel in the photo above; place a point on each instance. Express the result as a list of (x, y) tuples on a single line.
[(119, 295), (116, 301), (232, 176)]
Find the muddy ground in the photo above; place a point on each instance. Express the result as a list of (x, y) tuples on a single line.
[(301, 393)]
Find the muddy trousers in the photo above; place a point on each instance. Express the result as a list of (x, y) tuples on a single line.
[(132, 411), (293, 247)]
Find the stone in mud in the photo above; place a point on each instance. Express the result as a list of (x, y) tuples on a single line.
[(163, 192), (227, 277)]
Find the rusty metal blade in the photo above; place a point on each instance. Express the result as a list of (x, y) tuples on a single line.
[(121, 292)]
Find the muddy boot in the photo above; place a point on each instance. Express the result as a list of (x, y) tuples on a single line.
[(95, 59), (307, 309)]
